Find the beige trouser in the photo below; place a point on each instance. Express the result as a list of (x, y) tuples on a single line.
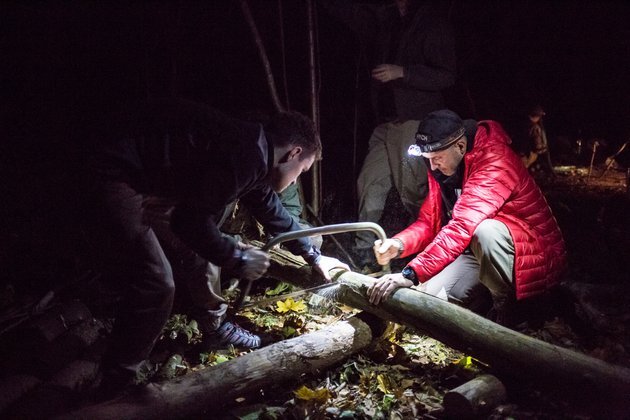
[(388, 164), (487, 265)]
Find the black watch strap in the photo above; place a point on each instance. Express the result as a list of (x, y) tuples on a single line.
[(409, 274)]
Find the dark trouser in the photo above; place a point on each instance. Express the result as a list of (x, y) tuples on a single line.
[(481, 276), (200, 279), (135, 257)]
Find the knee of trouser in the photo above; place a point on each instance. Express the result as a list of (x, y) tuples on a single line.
[(162, 285), (476, 298), (485, 234)]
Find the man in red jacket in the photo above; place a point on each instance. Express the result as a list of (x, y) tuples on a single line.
[(484, 226)]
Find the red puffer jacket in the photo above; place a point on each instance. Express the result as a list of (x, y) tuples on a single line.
[(496, 185)]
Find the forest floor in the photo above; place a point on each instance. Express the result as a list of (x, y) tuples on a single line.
[(403, 375)]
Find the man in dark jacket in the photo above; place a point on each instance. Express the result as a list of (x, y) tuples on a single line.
[(413, 61), (485, 224), (205, 161)]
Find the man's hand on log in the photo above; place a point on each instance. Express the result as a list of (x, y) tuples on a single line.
[(383, 287), (325, 264)]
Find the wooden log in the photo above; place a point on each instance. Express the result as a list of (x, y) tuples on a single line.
[(474, 398), (569, 373), (14, 387), (207, 391), (59, 394)]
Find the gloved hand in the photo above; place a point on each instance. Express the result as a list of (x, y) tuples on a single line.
[(387, 72), (387, 251), (325, 264), (383, 287), (253, 263)]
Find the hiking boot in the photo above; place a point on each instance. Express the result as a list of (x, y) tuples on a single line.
[(231, 333)]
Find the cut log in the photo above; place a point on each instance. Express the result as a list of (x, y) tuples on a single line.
[(518, 356), (474, 398), (207, 391)]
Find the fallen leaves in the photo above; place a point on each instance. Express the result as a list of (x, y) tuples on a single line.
[(320, 395)]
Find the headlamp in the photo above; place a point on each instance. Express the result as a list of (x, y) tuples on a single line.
[(414, 150)]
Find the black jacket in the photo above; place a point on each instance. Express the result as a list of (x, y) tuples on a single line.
[(205, 160), (424, 46)]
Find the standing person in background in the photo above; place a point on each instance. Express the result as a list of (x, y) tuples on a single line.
[(413, 61), (537, 136)]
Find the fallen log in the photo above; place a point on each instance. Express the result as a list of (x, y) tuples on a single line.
[(474, 398), (57, 395), (14, 387), (208, 390), (566, 372)]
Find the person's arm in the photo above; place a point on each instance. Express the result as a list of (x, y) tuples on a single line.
[(268, 210), (491, 183), (195, 217), (419, 234)]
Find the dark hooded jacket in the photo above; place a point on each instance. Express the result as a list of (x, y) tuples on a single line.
[(203, 159), (422, 43)]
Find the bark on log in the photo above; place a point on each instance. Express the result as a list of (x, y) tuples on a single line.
[(14, 387), (59, 394), (518, 356), (474, 398), (209, 390)]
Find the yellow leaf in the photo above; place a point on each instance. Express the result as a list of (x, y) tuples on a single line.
[(383, 383), (316, 395), (290, 305), (282, 307), (299, 306)]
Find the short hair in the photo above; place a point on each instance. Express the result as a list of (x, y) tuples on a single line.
[(291, 128)]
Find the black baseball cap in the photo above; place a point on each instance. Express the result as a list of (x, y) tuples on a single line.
[(439, 130)]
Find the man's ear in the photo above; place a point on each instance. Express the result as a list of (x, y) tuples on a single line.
[(461, 145), (293, 153)]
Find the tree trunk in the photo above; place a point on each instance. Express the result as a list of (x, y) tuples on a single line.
[(316, 194), (262, 53), (208, 390), (508, 352)]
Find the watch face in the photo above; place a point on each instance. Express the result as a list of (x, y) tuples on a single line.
[(408, 273)]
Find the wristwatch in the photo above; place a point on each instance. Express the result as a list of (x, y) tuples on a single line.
[(409, 274)]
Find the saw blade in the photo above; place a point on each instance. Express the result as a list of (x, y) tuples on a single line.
[(285, 296)]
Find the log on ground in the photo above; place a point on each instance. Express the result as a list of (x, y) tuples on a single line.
[(518, 356), (208, 390), (474, 398)]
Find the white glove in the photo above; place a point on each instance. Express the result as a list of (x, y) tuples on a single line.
[(325, 264), (387, 251)]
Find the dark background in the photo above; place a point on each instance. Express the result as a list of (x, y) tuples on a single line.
[(64, 64)]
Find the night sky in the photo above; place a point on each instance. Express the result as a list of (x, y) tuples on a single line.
[(66, 63)]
